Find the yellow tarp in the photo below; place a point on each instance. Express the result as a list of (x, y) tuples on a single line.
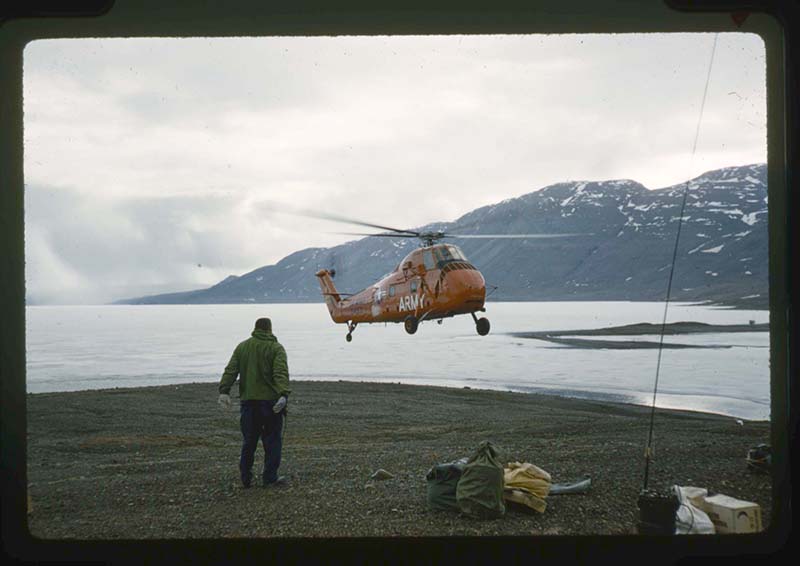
[(527, 484)]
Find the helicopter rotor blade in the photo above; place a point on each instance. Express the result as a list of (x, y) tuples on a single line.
[(396, 232), (346, 220), (336, 218), (512, 235), (413, 235)]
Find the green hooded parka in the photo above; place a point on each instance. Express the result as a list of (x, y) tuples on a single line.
[(261, 362)]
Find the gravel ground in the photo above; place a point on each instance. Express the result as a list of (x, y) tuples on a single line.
[(162, 462)]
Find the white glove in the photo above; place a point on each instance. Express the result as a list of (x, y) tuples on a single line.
[(224, 401), (279, 404)]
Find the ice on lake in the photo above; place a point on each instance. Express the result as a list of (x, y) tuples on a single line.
[(92, 347)]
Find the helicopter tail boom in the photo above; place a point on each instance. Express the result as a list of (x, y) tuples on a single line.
[(329, 292)]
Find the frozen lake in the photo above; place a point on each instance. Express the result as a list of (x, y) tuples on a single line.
[(92, 347)]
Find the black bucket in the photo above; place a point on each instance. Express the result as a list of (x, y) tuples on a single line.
[(657, 512)]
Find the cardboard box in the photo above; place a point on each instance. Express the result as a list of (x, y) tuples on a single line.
[(731, 515)]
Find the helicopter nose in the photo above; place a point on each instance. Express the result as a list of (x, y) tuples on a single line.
[(473, 286)]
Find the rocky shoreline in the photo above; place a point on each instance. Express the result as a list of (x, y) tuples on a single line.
[(567, 337), (161, 462)]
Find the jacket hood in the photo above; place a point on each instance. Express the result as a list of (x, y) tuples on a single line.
[(263, 335)]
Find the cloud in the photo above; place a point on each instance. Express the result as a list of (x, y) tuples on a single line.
[(106, 249)]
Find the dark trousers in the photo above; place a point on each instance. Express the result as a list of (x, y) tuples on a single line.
[(258, 421)]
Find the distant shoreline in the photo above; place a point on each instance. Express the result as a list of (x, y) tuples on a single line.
[(564, 337)]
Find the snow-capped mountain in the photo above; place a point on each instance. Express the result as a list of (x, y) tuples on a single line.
[(623, 251)]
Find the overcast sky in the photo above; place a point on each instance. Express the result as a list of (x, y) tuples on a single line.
[(148, 161)]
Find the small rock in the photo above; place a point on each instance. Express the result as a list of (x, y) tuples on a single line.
[(381, 474)]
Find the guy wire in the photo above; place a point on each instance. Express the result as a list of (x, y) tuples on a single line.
[(648, 451)]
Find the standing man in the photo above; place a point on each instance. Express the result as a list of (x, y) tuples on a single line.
[(263, 390)]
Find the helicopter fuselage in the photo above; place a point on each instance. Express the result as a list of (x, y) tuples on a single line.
[(431, 283)]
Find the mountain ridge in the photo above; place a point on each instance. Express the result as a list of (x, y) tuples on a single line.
[(624, 252)]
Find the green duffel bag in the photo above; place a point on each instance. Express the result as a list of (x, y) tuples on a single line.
[(442, 481), (479, 492)]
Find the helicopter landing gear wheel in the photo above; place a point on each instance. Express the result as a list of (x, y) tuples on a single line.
[(481, 325), (349, 337), (411, 323), (351, 326)]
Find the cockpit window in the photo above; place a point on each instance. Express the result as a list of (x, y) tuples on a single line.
[(442, 254), (456, 252), (427, 259), (445, 254)]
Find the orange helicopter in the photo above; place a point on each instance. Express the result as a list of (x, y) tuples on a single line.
[(433, 282)]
